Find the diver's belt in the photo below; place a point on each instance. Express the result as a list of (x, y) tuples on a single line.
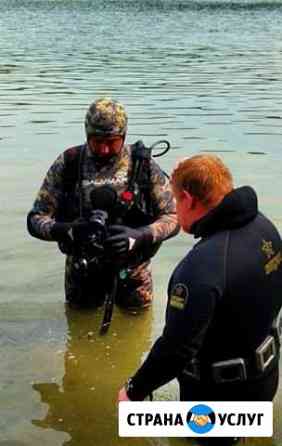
[(260, 362), (263, 360), (241, 369)]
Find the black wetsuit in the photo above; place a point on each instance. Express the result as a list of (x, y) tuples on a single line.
[(222, 299)]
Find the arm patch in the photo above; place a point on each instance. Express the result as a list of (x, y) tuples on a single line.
[(179, 296)]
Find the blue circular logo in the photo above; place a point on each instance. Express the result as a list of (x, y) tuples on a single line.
[(201, 419)]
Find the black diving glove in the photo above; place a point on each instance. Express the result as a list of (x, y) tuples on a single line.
[(69, 234), (123, 241), (60, 231)]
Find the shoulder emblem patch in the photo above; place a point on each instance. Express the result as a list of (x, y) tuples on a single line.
[(179, 296), (274, 259)]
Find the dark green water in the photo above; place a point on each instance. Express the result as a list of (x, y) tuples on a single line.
[(204, 74)]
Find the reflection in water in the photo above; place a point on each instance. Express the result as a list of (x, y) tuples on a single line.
[(84, 405)]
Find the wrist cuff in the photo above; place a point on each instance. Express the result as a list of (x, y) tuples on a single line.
[(132, 392)]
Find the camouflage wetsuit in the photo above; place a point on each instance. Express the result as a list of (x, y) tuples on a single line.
[(136, 289)]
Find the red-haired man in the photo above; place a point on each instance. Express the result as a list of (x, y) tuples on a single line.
[(221, 337)]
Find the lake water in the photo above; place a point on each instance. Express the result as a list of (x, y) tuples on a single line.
[(204, 74)]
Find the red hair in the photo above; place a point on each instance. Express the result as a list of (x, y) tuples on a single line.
[(203, 176)]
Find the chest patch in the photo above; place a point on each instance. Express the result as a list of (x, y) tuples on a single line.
[(179, 296)]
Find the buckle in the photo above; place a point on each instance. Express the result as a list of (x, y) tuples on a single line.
[(277, 328), (229, 371), (265, 353), (192, 369)]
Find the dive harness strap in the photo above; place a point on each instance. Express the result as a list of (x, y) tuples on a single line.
[(139, 154)]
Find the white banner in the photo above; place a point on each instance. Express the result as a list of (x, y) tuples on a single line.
[(195, 419)]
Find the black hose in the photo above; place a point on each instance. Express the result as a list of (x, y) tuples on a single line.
[(164, 151)]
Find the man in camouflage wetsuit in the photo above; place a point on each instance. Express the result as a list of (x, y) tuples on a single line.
[(107, 160)]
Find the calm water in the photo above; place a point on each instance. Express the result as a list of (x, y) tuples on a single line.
[(204, 74)]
